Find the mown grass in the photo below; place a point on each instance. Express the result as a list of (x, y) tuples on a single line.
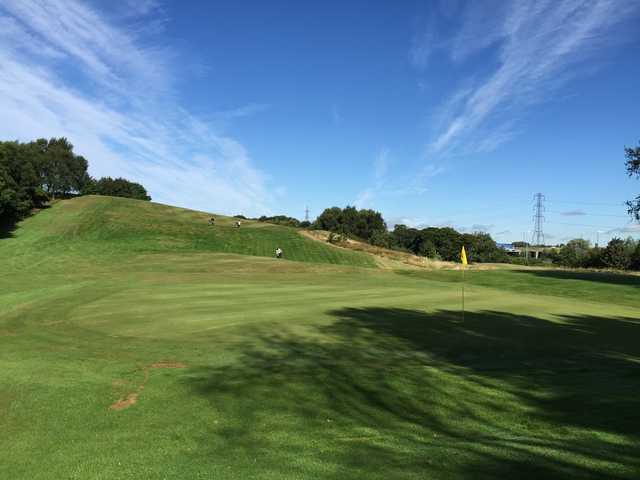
[(305, 370), (615, 288), (96, 228)]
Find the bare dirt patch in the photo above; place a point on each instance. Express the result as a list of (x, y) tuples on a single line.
[(168, 365), (123, 403), (132, 398), (390, 259)]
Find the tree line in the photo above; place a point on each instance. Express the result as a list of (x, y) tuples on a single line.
[(33, 173), (619, 254), (433, 242)]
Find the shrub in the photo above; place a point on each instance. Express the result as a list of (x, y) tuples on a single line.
[(615, 255), (574, 253)]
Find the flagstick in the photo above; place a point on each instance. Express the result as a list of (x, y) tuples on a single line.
[(463, 260), (463, 269)]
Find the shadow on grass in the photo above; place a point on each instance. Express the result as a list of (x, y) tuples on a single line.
[(8, 226), (6, 229), (602, 277), (394, 393)]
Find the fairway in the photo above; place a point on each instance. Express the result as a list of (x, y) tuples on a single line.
[(137, 342)]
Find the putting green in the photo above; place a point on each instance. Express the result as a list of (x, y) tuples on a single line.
[(119, 362)]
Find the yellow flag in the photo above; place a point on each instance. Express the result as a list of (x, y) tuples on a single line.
[(463, 256)]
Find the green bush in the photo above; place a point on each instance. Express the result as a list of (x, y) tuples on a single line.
[(615, 255)]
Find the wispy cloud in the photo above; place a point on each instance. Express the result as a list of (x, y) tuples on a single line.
[(336, 116), (388, 183), (248, 110), (141, 7), (573, 213), (632, 228), (423, 44), (66, 70), (381, 164), (537, 45), (478, 227)]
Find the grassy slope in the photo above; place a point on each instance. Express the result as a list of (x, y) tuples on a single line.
[(97, 227), (303, 370)]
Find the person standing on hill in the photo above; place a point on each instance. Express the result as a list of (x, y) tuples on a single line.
[(238, 224), (212, 221)]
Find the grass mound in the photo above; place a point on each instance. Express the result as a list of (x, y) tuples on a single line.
[(95, 227)]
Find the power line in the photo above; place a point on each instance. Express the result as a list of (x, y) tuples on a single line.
[(589, 214), (588, 225), (588, 203)]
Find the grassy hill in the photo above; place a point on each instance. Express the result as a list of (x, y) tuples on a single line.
[(136, 343), (97, 227)]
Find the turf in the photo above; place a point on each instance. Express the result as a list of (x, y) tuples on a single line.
[(93, 228), (305, 369)]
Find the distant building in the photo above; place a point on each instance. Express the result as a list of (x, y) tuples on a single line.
[(509, 248)]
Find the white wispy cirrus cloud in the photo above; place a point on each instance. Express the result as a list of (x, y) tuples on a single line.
[(627, 229), (538, 44), (65, 70), (389, 183)]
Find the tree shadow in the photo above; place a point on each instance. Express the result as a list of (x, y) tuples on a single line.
[(602, 277), (9, 225), (402, 393), (7, 228)]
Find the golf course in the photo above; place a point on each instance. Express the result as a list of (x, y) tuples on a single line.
[(138, 341)]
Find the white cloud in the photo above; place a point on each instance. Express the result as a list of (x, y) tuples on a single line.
[(631, 229), (538, 44), (248, 110), (388, 183), (119, 110), (364, 198), (381, 164), (336, 116), (423, 45), (478, 227), (141, 7)]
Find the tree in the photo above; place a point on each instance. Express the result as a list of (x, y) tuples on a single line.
[(447, 241), (62, 172), (351, 221), (574, 253), (615, 256), (635, 258), (381, 239), (368, 222), (32, 172), (633, 169), (482, 248), (20, 187), (521, 244), (329, 219), (594, 258), (116, 187), (281, 220)]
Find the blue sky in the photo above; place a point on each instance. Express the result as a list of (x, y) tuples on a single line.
[(435, 113)]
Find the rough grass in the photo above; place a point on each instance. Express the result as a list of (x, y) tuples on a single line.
[(94, 227), (303, 369)]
